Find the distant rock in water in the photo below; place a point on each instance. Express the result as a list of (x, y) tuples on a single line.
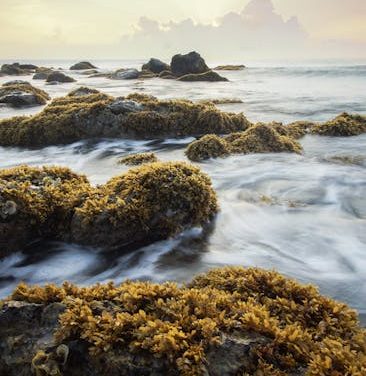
[(209, 76), (40, 76), (155, 66), (22, 94), (230, 67), (59, 77), (55, 203), (83, 65), (125, 74), (228, 321), (92, 115), (191, 63), (167, 74), (17, 69)]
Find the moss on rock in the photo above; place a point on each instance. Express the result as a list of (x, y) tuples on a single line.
[(209, 146), (230, 67), (147, 203), (138, 159), (209, 76), (259, 138), (13, 94), (76, 117), (343, 125), (230, 321)]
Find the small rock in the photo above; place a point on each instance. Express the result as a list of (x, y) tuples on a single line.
[(155, 66), (59, 77), (82, 66), (123, 74), (124, 106), (40, 76), (209, 76)]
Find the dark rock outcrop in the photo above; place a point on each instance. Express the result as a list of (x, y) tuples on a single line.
[(59, 77), (155, 66), (191, 63), (83, 65)]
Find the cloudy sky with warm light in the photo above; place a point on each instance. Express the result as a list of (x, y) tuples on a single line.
[(219, 29)]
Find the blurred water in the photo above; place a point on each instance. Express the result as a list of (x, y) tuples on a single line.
[(302, 215)]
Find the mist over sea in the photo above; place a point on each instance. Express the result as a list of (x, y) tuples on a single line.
[(304, 215)]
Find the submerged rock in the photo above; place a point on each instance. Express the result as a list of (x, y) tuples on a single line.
[(40, 76), (125, 74), (83, 65), (148, 203), (138, 159), (74, 118), (191, 63), (230, 67), (21, 94), (259, 138), (59, 77), (17, 69), (167, 74), (144, 204), (210, 76), (156, 66), (230, 321)]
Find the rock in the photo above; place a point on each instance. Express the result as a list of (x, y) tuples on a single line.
[(167, 74), (230, 67), (82, 66), (74, 118), (125, 74), (22, 93), (28, 66), (187, 64), (209, 146), (121, 106), (81, 91), (59, 77), (40, 76), (52, 83), (209, 76), (13, 70), (145, 204), (260, 138), (138, 159), (146, 74), (155, 66), (228, 321)]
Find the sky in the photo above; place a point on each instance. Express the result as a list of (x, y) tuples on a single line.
[(222, 30)]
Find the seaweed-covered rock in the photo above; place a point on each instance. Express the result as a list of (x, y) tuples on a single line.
[(125, 74), (209, 76), (343, 125), (230, 67), (81, 91), (260, 138), (74, 118), (148, 203), (209, 146), (155, 66), (230, 321), (138, 159), (37, 202), (83, 65), (167, 74), (191, 63), (59, 77), (22, 93)]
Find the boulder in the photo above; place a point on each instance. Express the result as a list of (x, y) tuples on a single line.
[(59, 77), (209, 76), (125, 74), (28, 66), (83, 65), (22, 93), (122, 106), (228, 321), (155, 66), (40, 76), (187, 64), (14, 70)]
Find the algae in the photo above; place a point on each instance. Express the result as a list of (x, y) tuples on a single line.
[(138, 159), (40, 96), (209, 146), (275, 326)]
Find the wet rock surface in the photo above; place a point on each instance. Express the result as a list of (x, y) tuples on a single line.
[(22, 94), (209, 76), (155, 66), (59, 77), (191, 63)]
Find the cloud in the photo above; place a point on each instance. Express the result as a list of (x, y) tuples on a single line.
[(257, 31)]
